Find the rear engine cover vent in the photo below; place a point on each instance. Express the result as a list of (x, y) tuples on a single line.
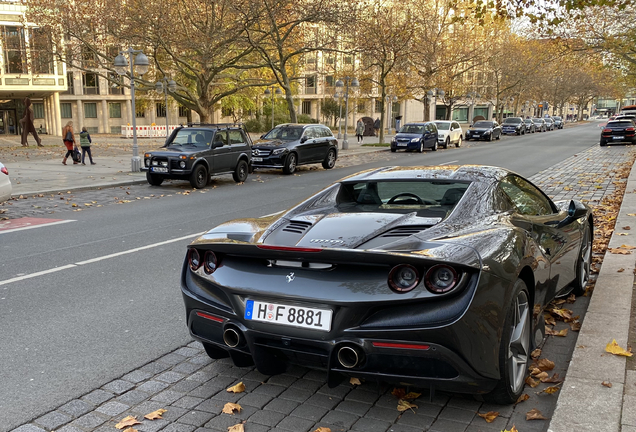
[(404, 231), (297, 227)]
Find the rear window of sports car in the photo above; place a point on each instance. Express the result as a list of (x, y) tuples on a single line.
[(433, 198)]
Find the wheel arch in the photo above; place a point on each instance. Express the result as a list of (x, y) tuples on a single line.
[(201, 161), (527, 276)]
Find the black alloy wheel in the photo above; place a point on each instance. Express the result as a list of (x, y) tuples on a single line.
[(241, 171), (199, 177), (154, 179), (290, 164), (514, 349), (584, 262), (330, 159)]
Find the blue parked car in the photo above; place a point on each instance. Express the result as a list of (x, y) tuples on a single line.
[(416, 136)]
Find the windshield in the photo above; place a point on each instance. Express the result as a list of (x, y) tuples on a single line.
[(285, 133), (442, 125), (513, 120), (537, 120), (412, 129), (190, 137), (483, 124), (620, 123), (427, 198), (557, 118), (528, 120)]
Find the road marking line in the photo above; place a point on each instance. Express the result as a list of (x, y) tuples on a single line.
[(36, 226), (448, 163), (41, 273), (94, 260), (272, 214)]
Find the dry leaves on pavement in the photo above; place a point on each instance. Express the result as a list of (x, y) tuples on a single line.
[(545, 364), (560, 333), (512, 429), (155, 415), (554, 379), (490, 416), (404, 405), (323, 429), (127, 421), (238, 388), (130, 429), (535, 414), (613, 348), (607, 384), (532, 383), (230, 407), (536, 354), (551, 389), (524, 397), (236, 428), (355, 381)]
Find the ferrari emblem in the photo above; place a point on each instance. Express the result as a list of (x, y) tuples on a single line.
[(290, 277)]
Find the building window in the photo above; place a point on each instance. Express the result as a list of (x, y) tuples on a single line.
[(38, 110), (348, 60), (91, 83), (92, 129), (140, 112), (329, 60), (160, 108), (329, 82), (89, 59), (362, 106), (183, 111), (66, 110), (227, 112), (41, 58), (14, 50), (379, 105), (310, 85), (115, 84), (90, 110), (70, 84), (114, 110), (306, 109)]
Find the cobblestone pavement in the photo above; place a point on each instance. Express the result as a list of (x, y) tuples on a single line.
[(192, 387)]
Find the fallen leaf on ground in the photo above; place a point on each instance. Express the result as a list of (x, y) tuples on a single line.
[(532, 383), (619, 251), (230, 407), (524, 397), (239, 388), (607, 384), (571, 299), (627, 228), (541, 376), (398, 392), (620, 270), (613, 348), (155, 414), (575, 326), (536, 353), (534, 414), (323, 429), (355, 381), (545, 364), (127, 421), (411, 395), (551, 389), (490, 416), (236, 428), (404, 405), (131, 430), (622, 234), (554, 379), (561, 333), (627, 247)]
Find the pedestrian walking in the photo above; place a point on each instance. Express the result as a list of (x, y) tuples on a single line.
[(69, 141), (376, 126), (360, 130), (26, 122), (85, 143)]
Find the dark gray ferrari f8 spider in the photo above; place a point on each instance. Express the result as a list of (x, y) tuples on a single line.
[(426, 276)]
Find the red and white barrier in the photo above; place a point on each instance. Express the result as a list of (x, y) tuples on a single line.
[(147, 131)]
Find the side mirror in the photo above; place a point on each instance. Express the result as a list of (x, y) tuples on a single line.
[(217, 144), (576, 210), (262, 136), (303, 139)]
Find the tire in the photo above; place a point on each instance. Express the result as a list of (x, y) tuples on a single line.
[(446, 143), (290, 164), (153, 179), (241, 171), (393, 150), (420, 149), (199, 177), (490, 137), (467, 138), (498, 136), (434, 146), (603, 143), (330, 159), (514, 349), (459, 142), (583, 263)]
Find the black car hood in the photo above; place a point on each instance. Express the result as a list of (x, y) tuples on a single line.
[(173, 151), (271, 143)]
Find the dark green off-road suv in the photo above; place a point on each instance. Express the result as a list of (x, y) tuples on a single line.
[(198, 151)]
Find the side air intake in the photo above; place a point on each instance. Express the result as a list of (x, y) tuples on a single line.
[(404, 231), (297, 227)]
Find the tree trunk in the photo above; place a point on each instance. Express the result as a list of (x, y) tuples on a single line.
[(381, 135)]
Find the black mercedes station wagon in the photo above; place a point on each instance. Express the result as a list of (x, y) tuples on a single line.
[(198, 151), (289, 145)]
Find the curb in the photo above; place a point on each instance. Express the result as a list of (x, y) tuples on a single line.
[(584, 404)]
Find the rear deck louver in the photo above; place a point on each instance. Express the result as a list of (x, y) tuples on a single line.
[(404, 231), (297, 227)]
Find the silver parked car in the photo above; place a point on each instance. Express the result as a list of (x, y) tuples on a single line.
[(5, 184)]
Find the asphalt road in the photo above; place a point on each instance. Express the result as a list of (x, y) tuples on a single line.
[(82, 303)]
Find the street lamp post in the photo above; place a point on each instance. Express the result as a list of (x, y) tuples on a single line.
[(355, 84), (164, 86), (141, 65), (390, 99), (338, 96), (273, 92)]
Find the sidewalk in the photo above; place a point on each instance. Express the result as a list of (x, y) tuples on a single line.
[(39, 170)]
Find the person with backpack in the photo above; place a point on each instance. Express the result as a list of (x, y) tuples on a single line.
[(85, 143), (69, 141)]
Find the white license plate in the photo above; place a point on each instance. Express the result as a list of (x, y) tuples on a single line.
[(401, 144), (159, 169), (618, 137), (256, 159), (295, 316)]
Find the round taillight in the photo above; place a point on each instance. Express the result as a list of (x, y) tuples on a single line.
[(403, 278), (209, 262), (440, 279), (194, 259)]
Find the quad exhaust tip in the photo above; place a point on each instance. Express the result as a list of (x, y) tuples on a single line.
[(232, 337), (349, 357)]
